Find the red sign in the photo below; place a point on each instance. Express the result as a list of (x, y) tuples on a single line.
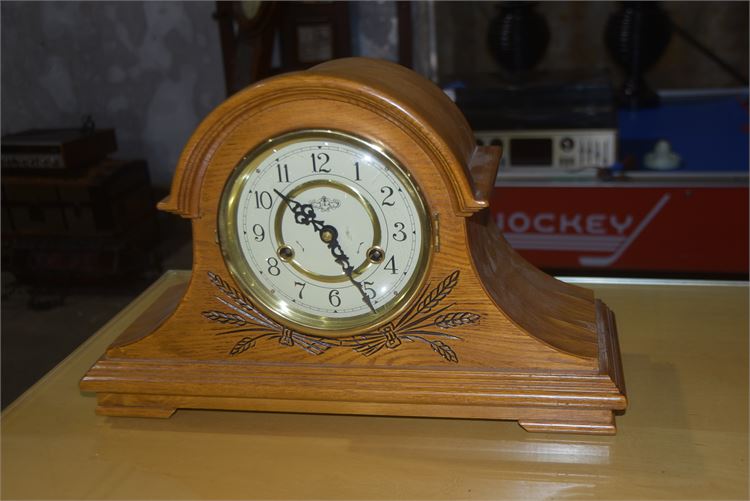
[(659, 229)]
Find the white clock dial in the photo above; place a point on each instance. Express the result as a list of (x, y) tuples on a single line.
[(325, 231)]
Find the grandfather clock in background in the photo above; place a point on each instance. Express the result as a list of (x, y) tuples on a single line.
[(308, 33), (303, 34)]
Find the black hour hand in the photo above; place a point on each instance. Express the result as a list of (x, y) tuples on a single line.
[(303, 213)]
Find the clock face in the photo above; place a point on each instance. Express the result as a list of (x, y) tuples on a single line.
[(325, 231)]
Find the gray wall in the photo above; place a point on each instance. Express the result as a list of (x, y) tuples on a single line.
[(151, 70)]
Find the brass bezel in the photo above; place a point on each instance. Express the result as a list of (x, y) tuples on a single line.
[(265, 300)]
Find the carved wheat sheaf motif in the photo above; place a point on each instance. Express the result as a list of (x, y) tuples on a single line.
[(423, 322)]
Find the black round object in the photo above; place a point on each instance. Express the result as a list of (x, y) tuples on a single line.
[(518, 36), (636, 37)]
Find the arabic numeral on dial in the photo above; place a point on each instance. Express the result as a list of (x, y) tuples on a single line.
[(283, 172), (400, 234), (273, 266), (334, 299), (301, 286), (391, 265), (389, 191), (259, 232), (263, 200), (369, 290), (319, 162), (356, 171)]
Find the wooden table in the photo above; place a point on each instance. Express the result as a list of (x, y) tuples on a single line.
[(684, 436)]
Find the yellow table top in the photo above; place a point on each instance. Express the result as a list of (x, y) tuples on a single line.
[(684, 436)]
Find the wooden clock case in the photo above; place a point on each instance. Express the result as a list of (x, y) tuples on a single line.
[(489, 336)]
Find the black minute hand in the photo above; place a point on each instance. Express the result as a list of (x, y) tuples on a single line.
[(343, 260)]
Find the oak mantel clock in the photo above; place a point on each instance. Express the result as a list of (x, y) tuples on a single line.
[(345, 262)]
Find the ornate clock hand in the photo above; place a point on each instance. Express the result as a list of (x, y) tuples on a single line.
[(343, 260), (305, 214), (330, 236), (360, 288)]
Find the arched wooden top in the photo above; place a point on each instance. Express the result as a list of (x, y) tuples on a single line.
[(405, 98)]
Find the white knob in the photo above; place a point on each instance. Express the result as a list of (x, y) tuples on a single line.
[(662, 157)]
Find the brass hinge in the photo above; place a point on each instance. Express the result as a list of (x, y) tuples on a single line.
[(436, 231)]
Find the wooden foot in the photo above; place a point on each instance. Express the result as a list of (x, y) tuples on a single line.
[(599, 424), (150, 412), (117, 406)]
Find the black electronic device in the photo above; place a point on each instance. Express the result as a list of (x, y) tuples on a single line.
[(547, 122)]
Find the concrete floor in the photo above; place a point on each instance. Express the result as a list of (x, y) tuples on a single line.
[(35, 340)]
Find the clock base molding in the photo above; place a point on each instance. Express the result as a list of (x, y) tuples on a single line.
[(540, 400), (533, 419)]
